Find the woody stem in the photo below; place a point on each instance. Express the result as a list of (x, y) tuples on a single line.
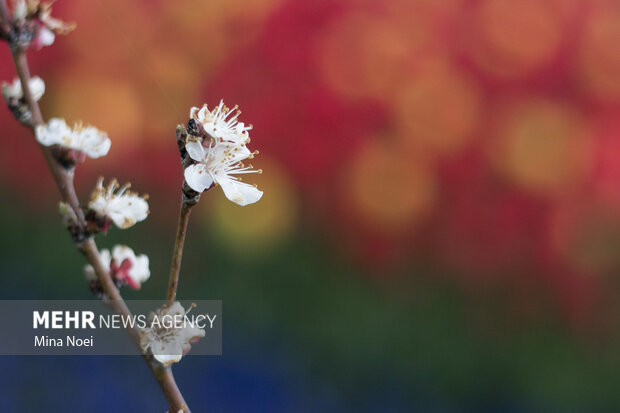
[(177, 253)]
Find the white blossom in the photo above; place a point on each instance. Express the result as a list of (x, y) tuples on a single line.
[(123, 265), (123, 207), (14, 90), (87, 139), (168, 343), (218, 164), (219, 156), (219, 124)]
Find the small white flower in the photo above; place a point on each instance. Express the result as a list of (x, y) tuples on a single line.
[(87, 139), (14, 90), (217, 164), (124, 266), (169, 343), (220, 125), (220, 154), (123, 207)]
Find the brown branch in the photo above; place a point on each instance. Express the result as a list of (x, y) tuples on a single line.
[(163, 374), (64, 182), (177, 254)]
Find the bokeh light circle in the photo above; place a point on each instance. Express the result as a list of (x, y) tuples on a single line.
[(110, 104), (438, 108), (390, 189), (258, 228), (515, 37), (363, 55), (543, 147)]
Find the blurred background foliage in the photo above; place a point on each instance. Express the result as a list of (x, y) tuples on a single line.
[(440, 229)]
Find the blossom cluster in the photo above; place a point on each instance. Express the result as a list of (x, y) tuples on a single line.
[(217, 146)]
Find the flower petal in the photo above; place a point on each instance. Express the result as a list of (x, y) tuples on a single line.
[(37, 87), (56, 131), (93, 142), (239, 192), (167, 359), (202, 114), (127, 210), (195, 150), (121, 253), (198, 178), (140, 271), (45, 37), (230, 152)]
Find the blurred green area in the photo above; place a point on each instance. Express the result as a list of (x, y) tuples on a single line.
[(330, 322)]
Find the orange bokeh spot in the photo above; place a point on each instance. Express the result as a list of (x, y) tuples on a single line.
[(255, 229), (390, 189), (211, 31), (439, 108), (364, 55), (110, 104), (168, 90), (542, 146), (599, 59), (515, 37)]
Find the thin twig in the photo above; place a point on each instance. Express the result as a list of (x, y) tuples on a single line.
[(64, 181), (177, 254)]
